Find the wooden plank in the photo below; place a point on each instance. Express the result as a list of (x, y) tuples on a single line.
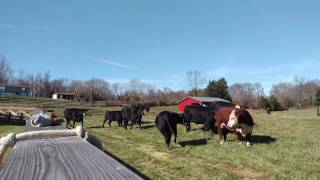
[(13, 113), (62, 158), (23, 114), (3, 113), (18, 108)]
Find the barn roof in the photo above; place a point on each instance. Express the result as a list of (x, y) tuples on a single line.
[(63, 93), (205, 99)]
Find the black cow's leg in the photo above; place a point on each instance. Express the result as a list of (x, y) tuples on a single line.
[(74, 122), (188, 126), (139, 124), (131, 124), (82, 123), (67, 124), (211, 133), (104, 121), (109, 122), (175, 134), (125, 123), (168, 138)]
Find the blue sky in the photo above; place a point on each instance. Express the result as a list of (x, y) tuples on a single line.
[(159, 41)]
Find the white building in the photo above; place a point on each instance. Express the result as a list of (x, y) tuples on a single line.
[(63, 96)]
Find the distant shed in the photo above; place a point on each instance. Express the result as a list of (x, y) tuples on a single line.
[(198, 101), (63, 96), (13, 90)]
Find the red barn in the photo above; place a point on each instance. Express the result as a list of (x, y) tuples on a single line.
[(197, 101)]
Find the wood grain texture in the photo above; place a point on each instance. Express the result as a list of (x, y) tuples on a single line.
[(62, 158)]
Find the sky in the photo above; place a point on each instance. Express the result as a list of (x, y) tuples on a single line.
[(157, 42)]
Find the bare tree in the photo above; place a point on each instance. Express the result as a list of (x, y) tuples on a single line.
[(244, 94), (78, 88), (116, 89), (284, 93), (42, 85), (59, 85), (195, 80), (135, 91), (5, 71), (259, 91), (97, 89), (299, 93)]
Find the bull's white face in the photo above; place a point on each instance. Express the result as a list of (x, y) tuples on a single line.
[(83, 114), (233, 120)]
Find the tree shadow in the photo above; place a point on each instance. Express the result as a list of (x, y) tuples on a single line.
[(148, 126), (262, 139), (126, 165), (12, 121), (196, 142)]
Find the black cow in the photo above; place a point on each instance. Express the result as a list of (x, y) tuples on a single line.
[(147, 107), (75, 115), (215, 106), (199, 115), (204, 114), (167, 122), (113, 116), (132, 114), (142, 107)]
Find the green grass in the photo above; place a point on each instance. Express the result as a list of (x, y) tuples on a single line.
[(286, 146)]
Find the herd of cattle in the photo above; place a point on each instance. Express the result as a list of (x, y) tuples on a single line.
[(220, 117)]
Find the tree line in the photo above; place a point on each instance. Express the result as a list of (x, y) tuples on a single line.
[(94, 90), (299, 93)]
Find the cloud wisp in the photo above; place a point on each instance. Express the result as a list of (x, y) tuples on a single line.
[(112, 63), (7, 26), (28, 27)]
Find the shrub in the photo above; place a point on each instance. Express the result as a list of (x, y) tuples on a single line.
[(275, 105)]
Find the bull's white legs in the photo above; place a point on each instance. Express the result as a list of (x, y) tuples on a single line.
[(222, 142), (248, 144)]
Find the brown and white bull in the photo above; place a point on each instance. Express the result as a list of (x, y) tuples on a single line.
[(237, 120)]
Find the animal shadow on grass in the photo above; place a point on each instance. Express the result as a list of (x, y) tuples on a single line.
[(146, 122), (96, 127), (261, 139), (127, 165), (148, 126), (12, 121), (196, 142)]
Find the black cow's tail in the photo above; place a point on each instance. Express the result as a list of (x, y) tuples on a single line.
[(156, 120)]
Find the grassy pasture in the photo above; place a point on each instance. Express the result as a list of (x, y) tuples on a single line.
[(285, 145)]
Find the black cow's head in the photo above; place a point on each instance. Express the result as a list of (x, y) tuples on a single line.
[(84, 111), (147, 108)]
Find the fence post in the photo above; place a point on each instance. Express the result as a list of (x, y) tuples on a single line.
[(318, 105)]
